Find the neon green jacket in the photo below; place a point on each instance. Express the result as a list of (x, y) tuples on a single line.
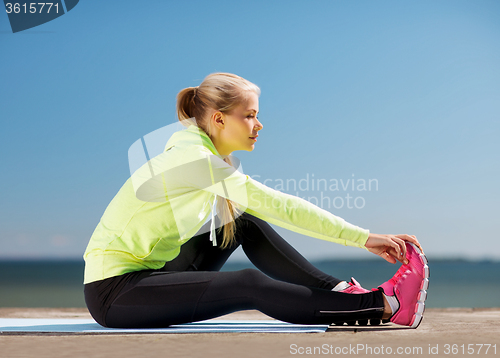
[(167, 200)]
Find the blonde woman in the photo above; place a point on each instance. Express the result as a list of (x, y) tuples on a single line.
[(155, 257)]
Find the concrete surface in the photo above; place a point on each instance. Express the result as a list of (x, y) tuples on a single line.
[(458, 332)]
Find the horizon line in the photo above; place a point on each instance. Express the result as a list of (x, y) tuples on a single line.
[(242, 261)]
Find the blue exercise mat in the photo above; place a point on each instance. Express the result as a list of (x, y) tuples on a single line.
[(79, 325)]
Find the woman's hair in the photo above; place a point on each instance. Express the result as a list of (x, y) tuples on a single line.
[(221, 92)]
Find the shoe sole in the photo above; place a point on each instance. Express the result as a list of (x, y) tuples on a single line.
[(422, 295), (362, 322)]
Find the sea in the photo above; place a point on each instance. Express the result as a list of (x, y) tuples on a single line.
[(452, 283)]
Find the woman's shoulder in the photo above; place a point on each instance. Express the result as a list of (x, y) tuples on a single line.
[(191, 142)]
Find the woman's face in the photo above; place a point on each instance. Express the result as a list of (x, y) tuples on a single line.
[(240, 127)]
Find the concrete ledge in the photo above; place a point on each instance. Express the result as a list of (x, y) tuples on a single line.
[(452, 332)]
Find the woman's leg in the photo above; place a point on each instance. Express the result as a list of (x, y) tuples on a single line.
[(300, 293), (159, 299), (274, 256), (265, 248)]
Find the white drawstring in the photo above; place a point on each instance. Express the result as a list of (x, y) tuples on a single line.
[(213, 237)]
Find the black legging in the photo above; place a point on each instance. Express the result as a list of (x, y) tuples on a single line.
[(191, 288)]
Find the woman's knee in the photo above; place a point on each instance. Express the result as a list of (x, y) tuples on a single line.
[(252, 278)]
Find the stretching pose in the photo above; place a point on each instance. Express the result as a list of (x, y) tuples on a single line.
[(155, 257)]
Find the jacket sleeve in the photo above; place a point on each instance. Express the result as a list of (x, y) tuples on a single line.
[(210, 173)]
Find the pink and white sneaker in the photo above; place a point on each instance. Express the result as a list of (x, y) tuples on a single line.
[(409, 286), (354, 288)]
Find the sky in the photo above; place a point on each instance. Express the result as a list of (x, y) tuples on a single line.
[(401, 99)]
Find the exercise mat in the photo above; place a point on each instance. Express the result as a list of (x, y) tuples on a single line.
[(89, 326)]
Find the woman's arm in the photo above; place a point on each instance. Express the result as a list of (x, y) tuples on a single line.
[(212, 174)]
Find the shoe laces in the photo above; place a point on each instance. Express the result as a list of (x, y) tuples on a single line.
[(403, 271), (354, 287)]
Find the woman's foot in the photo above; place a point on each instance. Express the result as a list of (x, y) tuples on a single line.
[(352, 287), (408, 287)]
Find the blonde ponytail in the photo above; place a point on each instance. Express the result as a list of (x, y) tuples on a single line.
[(185, 103)]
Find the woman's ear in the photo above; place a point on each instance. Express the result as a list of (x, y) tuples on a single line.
[(218, 119)]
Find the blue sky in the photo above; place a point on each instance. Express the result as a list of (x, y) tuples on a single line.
[(406, 94)]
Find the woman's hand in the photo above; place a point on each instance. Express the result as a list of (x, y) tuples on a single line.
[(392, 248)]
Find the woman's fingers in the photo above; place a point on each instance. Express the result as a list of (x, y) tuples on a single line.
[(402, 246), (397, 253), (388, 257), (412, 239), (391, 247), (396, 248)]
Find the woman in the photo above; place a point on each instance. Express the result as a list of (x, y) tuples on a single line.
[(151, 262)]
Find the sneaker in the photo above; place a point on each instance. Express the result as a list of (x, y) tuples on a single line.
[(409, 286), (354, 288)]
